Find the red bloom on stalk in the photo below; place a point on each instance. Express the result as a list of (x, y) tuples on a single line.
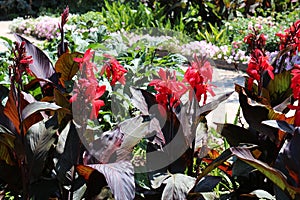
[(85, 59), (256, 66), (88, 89), (114, 71), (295, 85), (169, 90), (198, 75), (295, 82), (21, 61), (290, 37)]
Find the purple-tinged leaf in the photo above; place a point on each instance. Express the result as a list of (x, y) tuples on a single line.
[(255, 114), (139, 101), (40, 140), (177, 186), (245, 155), (6, 123), (236, 135), (282, 125), (120, 178), (42, 66), (207, 183), (207, 108), (261, 194), (38, 106)]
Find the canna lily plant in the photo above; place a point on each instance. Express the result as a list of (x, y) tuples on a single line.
[(51, 140)]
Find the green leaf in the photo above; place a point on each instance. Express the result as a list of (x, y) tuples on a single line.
[(279, 88)]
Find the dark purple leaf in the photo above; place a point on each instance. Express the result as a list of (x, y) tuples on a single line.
[(138, 100), (207, 108), (42, 66), (288, 161), (120, 178), (279, 124), (4, 92), (236, 135), (6, 123), (69, 157), (38, 106), (40, 140), (207, 183), (255, 114)]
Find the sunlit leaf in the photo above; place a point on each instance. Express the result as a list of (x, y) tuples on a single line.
[(11, 110), (120, 178), (177, 186), (279, 88), (67, 67), (282, 125)]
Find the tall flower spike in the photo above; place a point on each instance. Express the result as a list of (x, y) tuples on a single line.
[(198, 74), (87, 89), (21, 62), (169, 90)]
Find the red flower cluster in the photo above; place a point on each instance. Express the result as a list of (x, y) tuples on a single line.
[(21, 61), (114, 71), (169, 90), (256, 66), (295, 85), (290, 37), (88, 89), (198, 75), (255, 41), (295, 82)]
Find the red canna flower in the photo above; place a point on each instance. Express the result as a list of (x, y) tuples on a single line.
[(169, 90), (290, 37), (295, 82), (88, 90), (256, 66), (114, 71), (86, 58), (197, 75), (21, 62)]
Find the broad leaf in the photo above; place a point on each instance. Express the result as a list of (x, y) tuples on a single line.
[(255, 114), (11, 110), (4, 92), (207, 183), (279, 88), (282, 125), (120, 178), (95, 181), (31, 114), (177, 186), (7, 149), (245, 155), (6, 123), (236, 135), (288, 161), (273, 174), (207, 108), (138, 100), (42, 66), (40, 139), (69, 156), (67, 67)]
